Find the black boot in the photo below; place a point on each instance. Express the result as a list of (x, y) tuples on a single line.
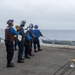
[(15, 49), (22, 58), (39, 49), (27, 57), (35, 50), (30, 54), (10, 65), (20, 61)]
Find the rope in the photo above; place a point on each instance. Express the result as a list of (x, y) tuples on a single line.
[(61, 68), (46, 37)]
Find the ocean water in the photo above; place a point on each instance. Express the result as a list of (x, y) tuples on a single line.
[(59, 34), (52, 34), (2, 33)]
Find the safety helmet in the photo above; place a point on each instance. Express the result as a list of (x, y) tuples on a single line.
[(31, 25), (16, 26), (23, 23), (36, 26), (10, 21)]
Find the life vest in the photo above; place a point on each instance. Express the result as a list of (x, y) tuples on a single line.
[(15, 36), (8, 36)]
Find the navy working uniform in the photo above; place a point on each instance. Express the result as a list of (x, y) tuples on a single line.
[(21, 42), (16, 37), (9, 39), (27, 45), (30, 31), (37, 34)]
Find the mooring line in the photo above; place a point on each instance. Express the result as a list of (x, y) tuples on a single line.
[(71, 71), (61, 68), (68, 68)]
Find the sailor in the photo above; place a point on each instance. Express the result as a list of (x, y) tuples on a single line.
[(16, 37), (27, 45), (9, 39), (30, 31), (21, 38), (37, 34)]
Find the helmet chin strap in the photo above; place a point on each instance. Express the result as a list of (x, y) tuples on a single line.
[(10, 24)]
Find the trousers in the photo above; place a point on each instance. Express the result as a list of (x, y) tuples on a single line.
[(21, 48), (36, 42), (10, 51)]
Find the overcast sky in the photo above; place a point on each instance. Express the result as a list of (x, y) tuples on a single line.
[(48, 14)]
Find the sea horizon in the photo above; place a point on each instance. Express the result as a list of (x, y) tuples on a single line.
[(48, 29), (51, 34)]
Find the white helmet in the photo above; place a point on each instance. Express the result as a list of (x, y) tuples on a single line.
[(23, 23), (31, 25)]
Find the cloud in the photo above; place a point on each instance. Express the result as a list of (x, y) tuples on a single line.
[(48, 14)]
